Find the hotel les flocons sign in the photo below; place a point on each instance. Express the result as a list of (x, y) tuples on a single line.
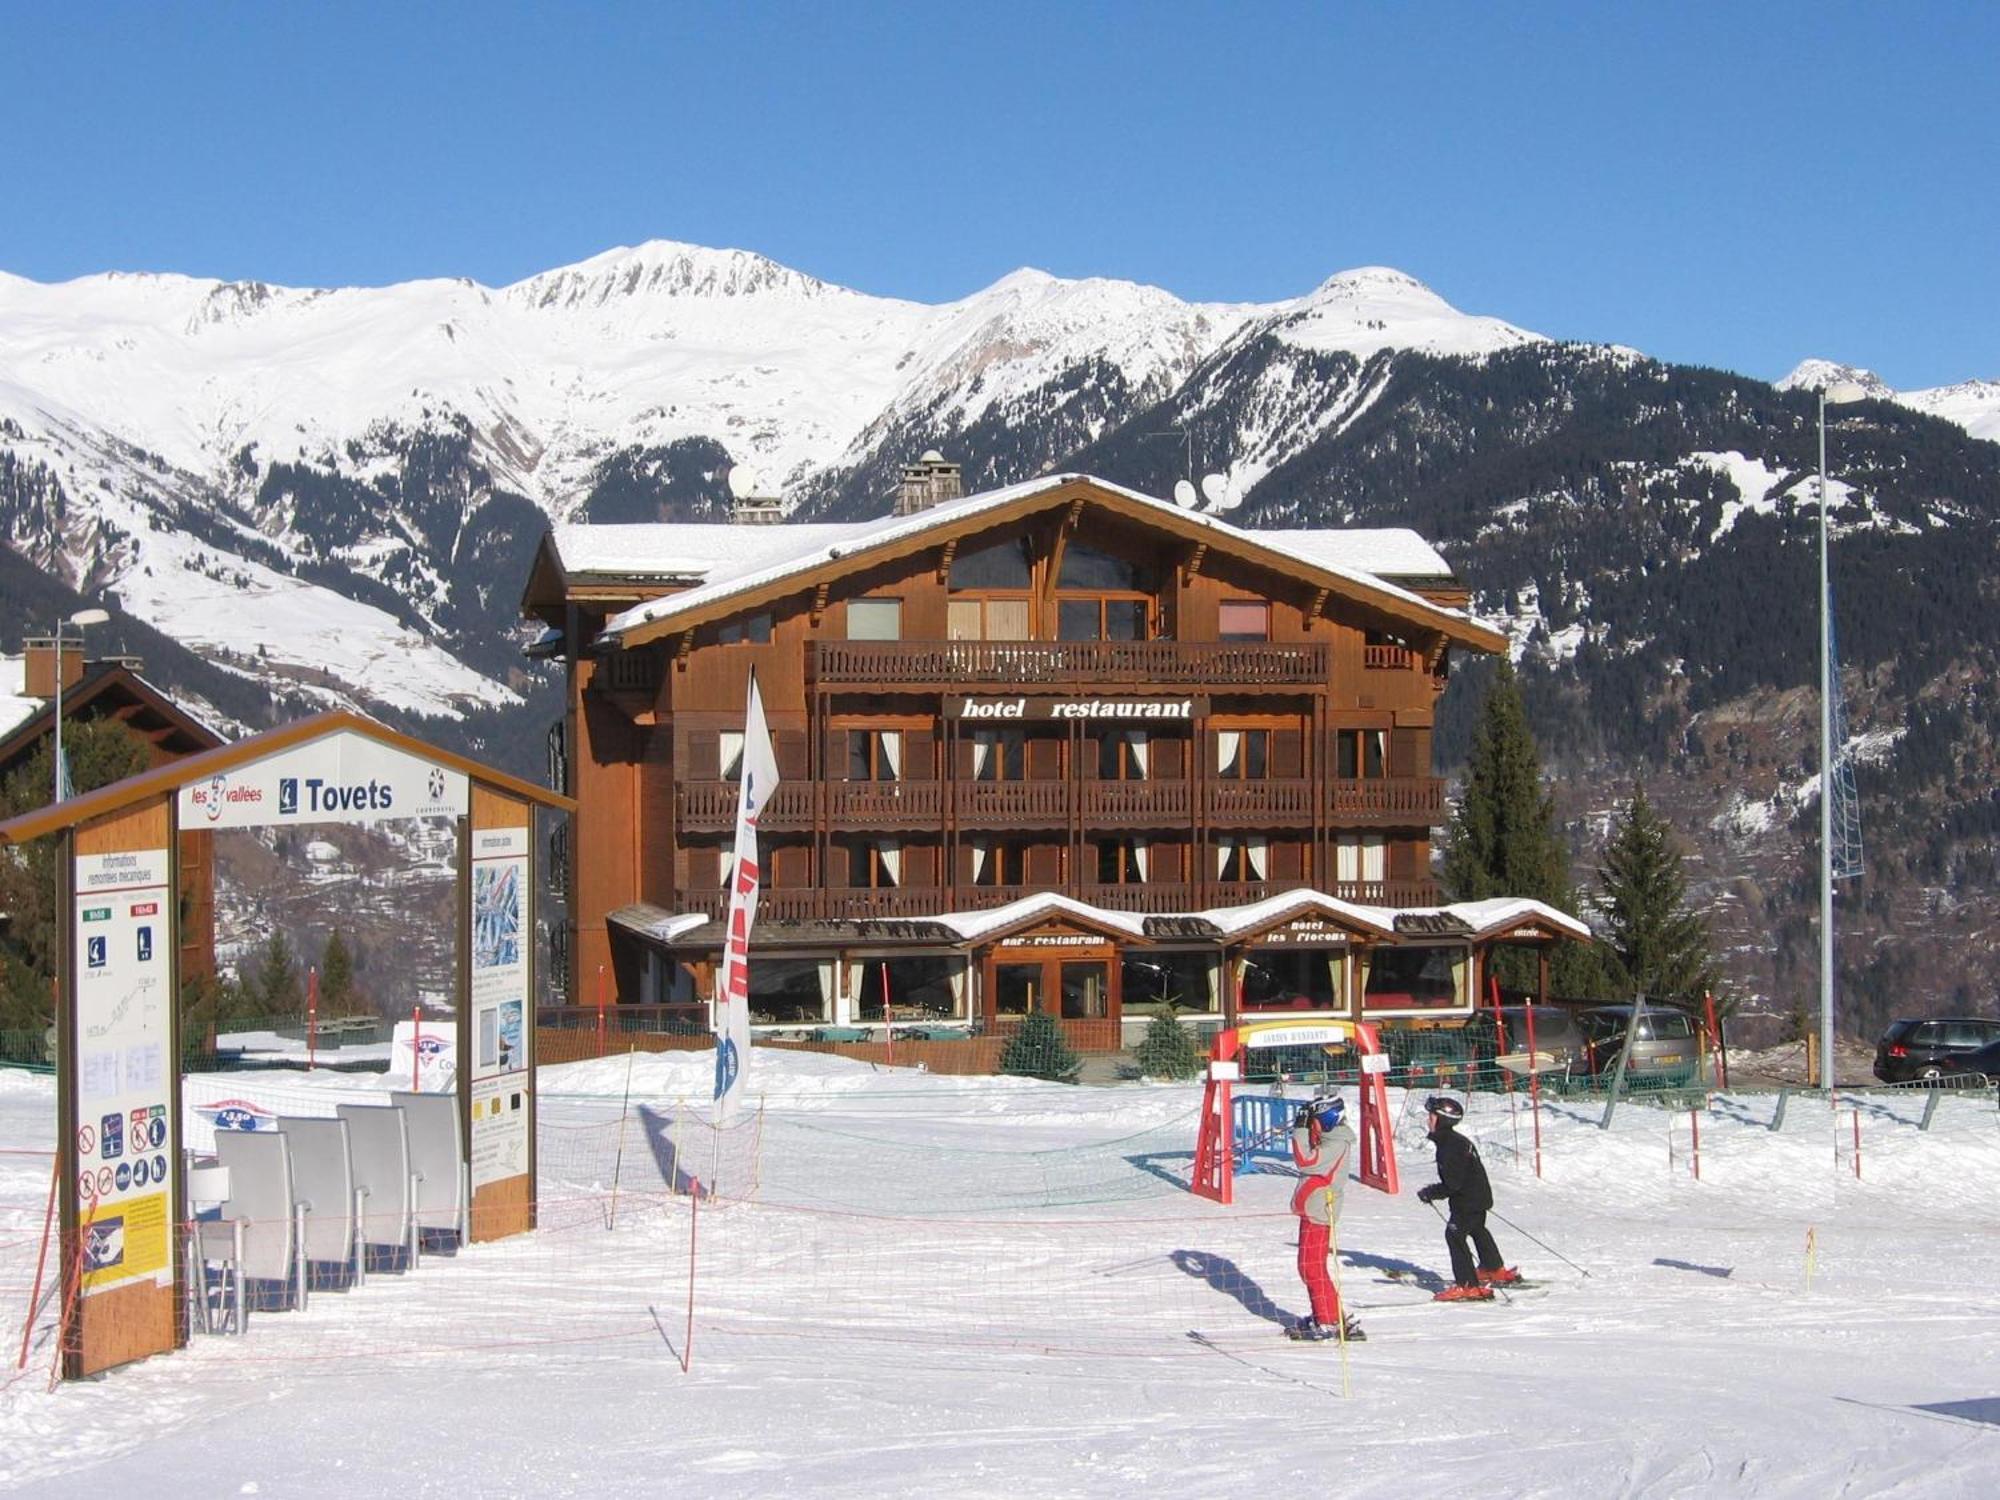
[(1124, 710), (344, 778)]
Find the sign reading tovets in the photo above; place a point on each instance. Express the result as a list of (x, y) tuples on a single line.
[(342, 778)]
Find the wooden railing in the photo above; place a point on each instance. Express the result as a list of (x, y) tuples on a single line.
[(1155, 665), (1406, 801), (1388, 658), (855, 903)]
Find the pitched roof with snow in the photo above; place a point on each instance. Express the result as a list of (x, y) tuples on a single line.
[(724, 561)]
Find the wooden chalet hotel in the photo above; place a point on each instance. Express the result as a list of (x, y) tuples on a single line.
[(1059, 746)]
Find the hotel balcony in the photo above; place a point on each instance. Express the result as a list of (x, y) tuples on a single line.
[(853, 903), (981, 666), (707, 807)]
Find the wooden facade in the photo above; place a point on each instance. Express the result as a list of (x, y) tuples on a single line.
[(1059, 689)]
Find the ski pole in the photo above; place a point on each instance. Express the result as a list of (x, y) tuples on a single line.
[(1532, 1240)]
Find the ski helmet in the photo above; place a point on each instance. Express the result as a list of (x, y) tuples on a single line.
[(1329, 1111), (1445, 1108)]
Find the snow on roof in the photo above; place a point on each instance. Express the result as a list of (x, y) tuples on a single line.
[(1491, 915), (648, 920), (743, 558), (16, 707), (1388, 552), (975, 924), (1231, 920), (690, 551)]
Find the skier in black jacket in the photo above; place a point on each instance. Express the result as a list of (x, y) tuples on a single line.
[(1462, 1183)]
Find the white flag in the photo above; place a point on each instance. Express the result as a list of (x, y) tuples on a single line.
[(732, 987)]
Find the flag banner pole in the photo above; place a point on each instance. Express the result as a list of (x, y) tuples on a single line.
[(732, 989)]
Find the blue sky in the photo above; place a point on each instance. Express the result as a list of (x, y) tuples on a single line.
[(1740, 185)]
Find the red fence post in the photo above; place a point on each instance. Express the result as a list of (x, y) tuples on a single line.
[(312, 1013), (1534, 1085), (1694, 1127), (600, 1010), (1857, 1144), (694, 1221), (41, 1261)]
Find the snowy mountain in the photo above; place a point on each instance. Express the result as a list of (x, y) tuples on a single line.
[(1971, 404)]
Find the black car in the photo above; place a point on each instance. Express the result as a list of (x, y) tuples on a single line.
[(1916, 1050), (1969, 1065)]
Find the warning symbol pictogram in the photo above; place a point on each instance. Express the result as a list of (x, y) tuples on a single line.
[(86, 1140)]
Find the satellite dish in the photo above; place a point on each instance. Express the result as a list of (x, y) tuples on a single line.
[(1214, 489), (742, 483), (1184, 494)]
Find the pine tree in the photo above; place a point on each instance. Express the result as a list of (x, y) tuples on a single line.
[(1502, 840), (1168, 1049), (1662, 948), (1040, 1050), (336, 975), (275, 983)]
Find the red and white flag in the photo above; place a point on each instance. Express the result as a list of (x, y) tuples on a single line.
[(732, 989)]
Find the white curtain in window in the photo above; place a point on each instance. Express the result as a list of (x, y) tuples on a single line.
[(1224, 847), (1139, 748), (892, 753), (1141, 860), (983, 741), (981, 851), (1228, 745), (1381, 767), (728, 866), (732, 754), (1347, 859), (892, 862), (1253, 857), (1374, 857)]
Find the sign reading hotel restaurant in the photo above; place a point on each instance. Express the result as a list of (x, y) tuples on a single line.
[(126, 1151), (1130, 710), (341, 778)]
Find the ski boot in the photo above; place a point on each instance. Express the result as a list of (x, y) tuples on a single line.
[(1505, 1276), (1465, 1294)]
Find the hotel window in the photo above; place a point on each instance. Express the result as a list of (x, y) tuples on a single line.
[(731, 748), (875, 620), (1360, 753), (1241, 858), (1153, 981), (876, 864), (754, 629), (999, 754), (874, 754), (987, 619), (1003, 566), (1243, 754), (1123, 755), (999, 862), (1116, 597), (1413, 978), (1360, 858), (1122, 861), (1101, 619), (1243, 620)]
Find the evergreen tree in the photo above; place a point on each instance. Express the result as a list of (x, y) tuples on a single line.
[(1040, 1050), (336, 975), (99, 751), (1168, 1049), (1503, 841), (274, 985), (1662, 949)]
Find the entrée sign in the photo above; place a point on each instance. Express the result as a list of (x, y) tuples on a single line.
[(1181, 709)]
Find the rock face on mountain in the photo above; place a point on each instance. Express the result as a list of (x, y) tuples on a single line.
[(329, 496)]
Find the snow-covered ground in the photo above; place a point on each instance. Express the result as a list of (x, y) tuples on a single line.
[(920, 1284)]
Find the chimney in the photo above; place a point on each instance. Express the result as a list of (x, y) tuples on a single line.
[(931, 480), (39, 667)]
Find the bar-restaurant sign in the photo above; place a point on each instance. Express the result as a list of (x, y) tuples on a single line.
[(1116, 709)]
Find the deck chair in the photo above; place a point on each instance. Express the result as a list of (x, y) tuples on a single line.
[(378, 1136), (437, 1158), (323, 1179), (212, 1240), (262, 1201)]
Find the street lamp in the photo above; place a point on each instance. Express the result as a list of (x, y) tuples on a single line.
[(80, 619), (1840, 393)]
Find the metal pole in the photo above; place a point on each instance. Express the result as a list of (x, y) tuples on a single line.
[(59, 687), (1826, 1069)]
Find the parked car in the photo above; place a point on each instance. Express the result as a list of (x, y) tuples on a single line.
[(1666, 1048), (1916, 1049), (1561, 1050), (1980, 1061)]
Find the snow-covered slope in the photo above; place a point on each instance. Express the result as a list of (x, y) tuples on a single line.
[(1971, 404)]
